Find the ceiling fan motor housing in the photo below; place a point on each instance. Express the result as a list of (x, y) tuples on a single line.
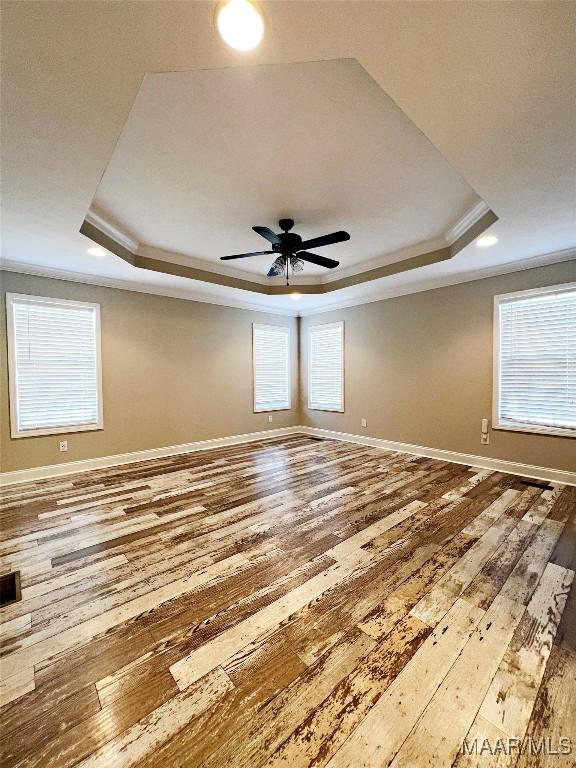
[(290, 242)]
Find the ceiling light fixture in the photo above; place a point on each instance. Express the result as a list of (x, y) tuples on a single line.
[(486, 241), (240, 24), (96, 250), (277, 267), (295, 296)]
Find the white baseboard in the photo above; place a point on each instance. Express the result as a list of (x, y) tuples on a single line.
[(72, 467), (482, 462)]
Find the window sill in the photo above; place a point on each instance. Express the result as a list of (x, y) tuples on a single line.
[(69, 430), (326, 410), (273, 410), (535, 430)]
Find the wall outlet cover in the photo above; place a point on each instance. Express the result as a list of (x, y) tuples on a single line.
[(63, 445)]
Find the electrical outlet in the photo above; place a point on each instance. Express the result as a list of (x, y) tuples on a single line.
[(63, 445), (270, 417), (364, 423), (484, 438)]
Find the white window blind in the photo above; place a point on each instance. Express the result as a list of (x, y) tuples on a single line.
[(271, 344), (54, 365), (326, 367), (535, 361)]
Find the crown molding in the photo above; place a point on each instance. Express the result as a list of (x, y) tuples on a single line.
[(467, 221), (127, 285), (431, 283), (385, 260), (176, 269), (144, 256), (423, 285), (470, 218), (101, 222), (173, 257)]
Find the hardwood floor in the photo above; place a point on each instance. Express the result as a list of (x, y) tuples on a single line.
[(294, 602)]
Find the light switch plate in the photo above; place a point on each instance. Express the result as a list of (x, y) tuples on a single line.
[(364, 423)]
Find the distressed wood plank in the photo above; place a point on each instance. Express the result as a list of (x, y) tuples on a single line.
[(299, 564)]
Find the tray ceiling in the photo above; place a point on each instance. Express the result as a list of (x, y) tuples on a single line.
[(204, 155)]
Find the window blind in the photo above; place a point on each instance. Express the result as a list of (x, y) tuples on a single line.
[(326, 367), (271, 345), (54, 365), (536, 361)]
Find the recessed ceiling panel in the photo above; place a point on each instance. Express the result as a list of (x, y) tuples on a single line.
[(205, 155)]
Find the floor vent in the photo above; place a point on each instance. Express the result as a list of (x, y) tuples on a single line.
[(10, 588)]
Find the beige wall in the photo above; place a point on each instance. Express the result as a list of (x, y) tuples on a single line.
[(419, 369), (174, 371)]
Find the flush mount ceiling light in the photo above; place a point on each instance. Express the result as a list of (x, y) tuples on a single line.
[(486, 241), (240, 24), (295, 296), (96, 250)]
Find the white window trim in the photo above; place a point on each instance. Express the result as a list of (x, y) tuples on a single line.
[(496, 424), (287, 329), (338, 324), (12, 370)]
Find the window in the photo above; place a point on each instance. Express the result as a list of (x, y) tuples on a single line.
[(271, 350), (326, 367), (54, 365), (535, 361)]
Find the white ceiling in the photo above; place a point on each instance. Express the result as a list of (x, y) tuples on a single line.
[(205, 155), (490, 85)]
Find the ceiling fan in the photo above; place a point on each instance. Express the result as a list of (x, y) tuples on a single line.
[(291, 249)]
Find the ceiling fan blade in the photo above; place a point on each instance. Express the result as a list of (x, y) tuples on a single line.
[(268, 234), (335, 237), (243, 255), (321, 261)]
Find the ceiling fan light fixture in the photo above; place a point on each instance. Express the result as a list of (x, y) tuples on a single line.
[(240, 24), (277, 267), (296, 264)]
